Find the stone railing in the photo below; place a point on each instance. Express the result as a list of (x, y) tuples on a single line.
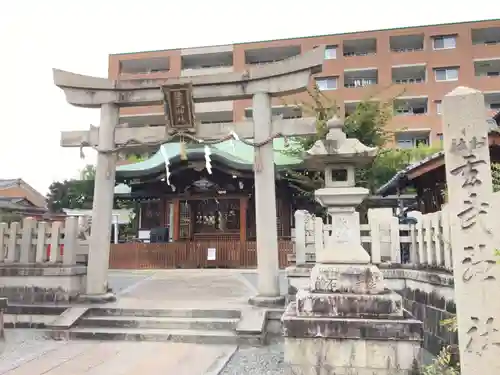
[(38, 261), (38, 242), (426, 243)]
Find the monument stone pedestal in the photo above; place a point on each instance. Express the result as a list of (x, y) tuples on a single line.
[(347, 322)]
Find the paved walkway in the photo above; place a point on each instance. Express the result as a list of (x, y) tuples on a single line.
[(125, 358), (210, 288)]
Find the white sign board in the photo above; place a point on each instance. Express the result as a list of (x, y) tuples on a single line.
[(144, 235), (211, 253)]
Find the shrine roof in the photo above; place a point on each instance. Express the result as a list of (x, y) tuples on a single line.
[(235, 154), (400, 179)]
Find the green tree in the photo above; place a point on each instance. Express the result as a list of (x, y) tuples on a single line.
[(88, 172), (368, 124), (73, 194)]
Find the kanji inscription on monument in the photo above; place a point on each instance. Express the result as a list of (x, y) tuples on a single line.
[(470, 195)]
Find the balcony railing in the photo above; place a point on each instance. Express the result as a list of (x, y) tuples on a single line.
[(368, 53), (362, 82), (417, 111), (489, 75), (407, 49), (409, 81), (150, 71)]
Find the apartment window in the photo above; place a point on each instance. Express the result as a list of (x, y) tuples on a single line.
[(327, 83), (438, 107), (446, 74), (444, 42), (411, 141), (330, 52)]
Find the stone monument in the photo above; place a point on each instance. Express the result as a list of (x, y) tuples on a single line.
[(348, 322), (472, 216), (259, 83)]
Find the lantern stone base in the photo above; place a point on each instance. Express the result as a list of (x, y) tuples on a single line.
[(383, 306), (354, 346), (346, 278), (347, 322)]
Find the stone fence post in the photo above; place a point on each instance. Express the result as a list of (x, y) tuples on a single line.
[(300, 237)]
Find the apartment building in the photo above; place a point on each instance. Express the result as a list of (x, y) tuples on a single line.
[(416, 66)]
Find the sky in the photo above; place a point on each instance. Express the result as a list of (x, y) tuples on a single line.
[(78, 36)]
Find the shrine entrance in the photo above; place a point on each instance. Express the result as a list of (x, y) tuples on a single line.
[(179, 97)]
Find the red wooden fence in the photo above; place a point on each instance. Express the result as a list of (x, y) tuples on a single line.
[(191, 254)]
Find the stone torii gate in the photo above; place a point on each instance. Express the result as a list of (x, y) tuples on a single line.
[(259, 83)]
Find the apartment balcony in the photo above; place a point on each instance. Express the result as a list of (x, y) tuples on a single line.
[(207, 63), (487, 68), (287, 112), (410, 106), (409, 74), (270, 54), (360, 78), (360, 47), (412, 139), (204, 112), (214, 117), (138, 67), (486, 36), (407, 43), (206, 71), (492, 102)]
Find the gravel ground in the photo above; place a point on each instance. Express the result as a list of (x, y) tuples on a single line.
[(22, 345), (266, 360)]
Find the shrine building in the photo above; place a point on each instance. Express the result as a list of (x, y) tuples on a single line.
[(197, 206)]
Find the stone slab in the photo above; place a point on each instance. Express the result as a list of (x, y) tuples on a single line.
[(350, 328), (346, 278), (68, 318), (381, 306), (253, 321)]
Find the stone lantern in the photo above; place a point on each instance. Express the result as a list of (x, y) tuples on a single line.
[(339, 157), (346, 319)]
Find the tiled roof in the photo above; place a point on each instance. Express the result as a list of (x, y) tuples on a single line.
[(234, 153)]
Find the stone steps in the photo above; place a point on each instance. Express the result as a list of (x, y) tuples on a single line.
[(167, 313), (175, 335), (202, 326), (156, 322), (31, 316)]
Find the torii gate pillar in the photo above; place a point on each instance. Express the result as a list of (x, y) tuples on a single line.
[(102, 208), (259, 83)]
